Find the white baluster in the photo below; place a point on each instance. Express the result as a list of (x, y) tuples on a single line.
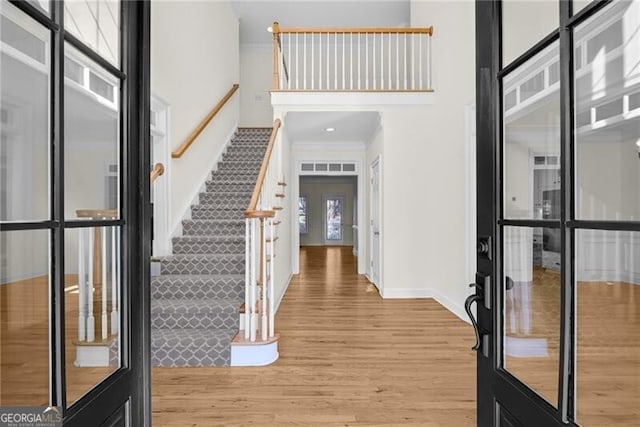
[(91, 327), (429, 82), (263, 245), (247, 278), (297, 63), (271, 281), (328, 66), (413, 62), (104, 285), (359, 71), (420, 60), (114, 281), (313, 68), (373, 59), (389, 60), (405, 61), (344, 37), (335, 62), (252, 307), (381, 61), (397, 61), (350, 61), (320, 61), (289, 63), (82, 307), (304, 55)]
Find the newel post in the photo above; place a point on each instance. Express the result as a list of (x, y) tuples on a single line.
[(276, 68)]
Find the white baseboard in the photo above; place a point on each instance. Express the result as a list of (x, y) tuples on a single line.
[(406, 293), (195, 195), (454, 307), (284, 291)]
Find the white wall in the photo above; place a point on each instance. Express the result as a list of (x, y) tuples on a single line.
[(434, 153), (256, 72), (283, 265), (525, 23), (315, 188), (194, 62)]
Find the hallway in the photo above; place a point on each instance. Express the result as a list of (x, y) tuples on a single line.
[(347, 357)]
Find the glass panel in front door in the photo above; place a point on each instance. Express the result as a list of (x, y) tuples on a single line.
[(334, 219), (531, 255)]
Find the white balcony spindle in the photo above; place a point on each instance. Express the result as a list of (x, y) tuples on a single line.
[(405, 60), (304, 56), (297, 60), (413, 62), (313, 68), (373, 59), (320, 61), (103, 285), (381, 61), (335, 61), (389, 61), (397, 61), (114, 281), (344, 37), (350, 61), (429, 82), (91, 327), (328, 65), (420, 60), (359, 57), (82, 284)]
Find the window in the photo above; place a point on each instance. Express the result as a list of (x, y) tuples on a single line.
[(302, 214)]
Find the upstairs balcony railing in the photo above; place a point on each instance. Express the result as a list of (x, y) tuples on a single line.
[(352, 59)]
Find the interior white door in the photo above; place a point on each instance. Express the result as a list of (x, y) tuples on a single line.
[(375, 223), (333, 219)]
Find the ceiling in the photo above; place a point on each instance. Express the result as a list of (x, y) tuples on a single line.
[(350, 126), (256, 15)]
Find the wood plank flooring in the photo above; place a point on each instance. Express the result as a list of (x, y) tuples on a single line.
[(347, 357)]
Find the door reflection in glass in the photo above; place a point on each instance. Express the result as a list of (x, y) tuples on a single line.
[(334, 219)]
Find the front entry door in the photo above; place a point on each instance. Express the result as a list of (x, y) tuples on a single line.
[(558, 264), (74, 222)]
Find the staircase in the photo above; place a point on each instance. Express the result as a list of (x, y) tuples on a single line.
[(195, 308)]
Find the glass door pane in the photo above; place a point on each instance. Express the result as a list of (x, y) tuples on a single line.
[(524, 23), (24, 117), (92, 139), (608, 327), (531, 117), (24, 318), (96, 23), (531, 331), (607, 114)]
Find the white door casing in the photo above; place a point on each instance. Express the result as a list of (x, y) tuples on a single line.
[(376, 228)]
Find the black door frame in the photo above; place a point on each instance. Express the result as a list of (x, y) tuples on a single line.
[(522, 405), (105, 404)]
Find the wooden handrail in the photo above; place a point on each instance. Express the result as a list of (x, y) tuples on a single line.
[(203, 124), (252, 211), (355, 30), (156, 172)]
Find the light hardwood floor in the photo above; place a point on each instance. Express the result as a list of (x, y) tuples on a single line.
[(347, 357)]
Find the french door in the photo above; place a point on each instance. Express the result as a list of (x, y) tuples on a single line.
[(558, 211), (74, 222)]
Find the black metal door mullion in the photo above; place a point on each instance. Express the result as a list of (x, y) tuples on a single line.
[(57, 337), (565, 374)]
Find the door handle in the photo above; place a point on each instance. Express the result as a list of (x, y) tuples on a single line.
[(467, 307), (376, 233)]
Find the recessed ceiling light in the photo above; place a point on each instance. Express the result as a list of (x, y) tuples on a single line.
[(270, 29), (329, 129)]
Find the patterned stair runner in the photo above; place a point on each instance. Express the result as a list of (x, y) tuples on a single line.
[(196, 299)]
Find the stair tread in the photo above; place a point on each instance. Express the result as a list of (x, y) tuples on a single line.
[(220, 221), (200, 256), (184, 337), (195, 306), (226, 238)]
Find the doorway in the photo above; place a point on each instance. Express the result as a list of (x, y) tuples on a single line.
[(328, 211)]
